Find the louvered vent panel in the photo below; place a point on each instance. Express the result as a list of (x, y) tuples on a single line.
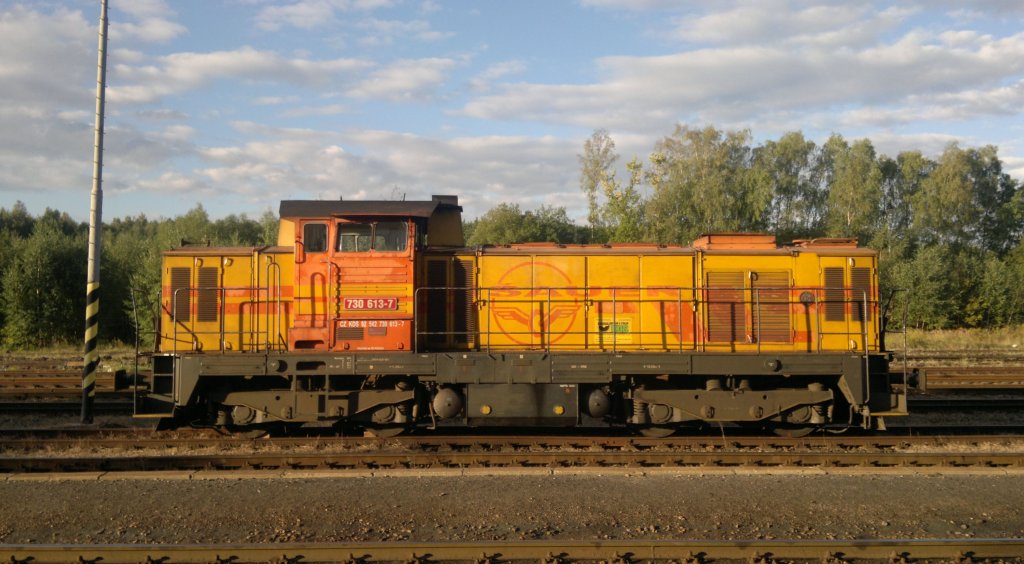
[(860, 281), (835, 306), (349, 334), (726, 315), (437, 300), (464, 276), (771, 313), (181, 300), (206, 296)]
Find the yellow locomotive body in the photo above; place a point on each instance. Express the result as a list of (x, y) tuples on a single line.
[(375, 313), (734, 292)]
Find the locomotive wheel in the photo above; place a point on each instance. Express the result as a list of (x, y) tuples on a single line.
[(656, 431)]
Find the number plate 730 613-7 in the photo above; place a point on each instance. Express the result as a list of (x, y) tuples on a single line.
[(371, 303)]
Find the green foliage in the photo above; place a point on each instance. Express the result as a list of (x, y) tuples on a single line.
[(596, 171), (615, 212), (967, 201), (269, 225), (927, 293), (854, 190), (44, 288), (43, 270), (507, 223), (788, 168), (703, 181), (18, 222)]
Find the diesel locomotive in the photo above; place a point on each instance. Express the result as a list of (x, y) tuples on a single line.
[(376, 315)]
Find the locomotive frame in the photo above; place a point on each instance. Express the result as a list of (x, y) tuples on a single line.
[(376, 314)]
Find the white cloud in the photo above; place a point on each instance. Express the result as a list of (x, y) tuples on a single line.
[(309, 14), (180, 72), (384, 32), (368, 164), (45, 57), (154, 22), (307, 111), (783, 21), (413, 79), (738, 83), (172, 183), (274, 100), (630, 4), (482, 82)]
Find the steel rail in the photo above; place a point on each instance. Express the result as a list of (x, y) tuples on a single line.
[(350, 460), (546, 552), (104, 404), (965, 402), (971, 378), (138, 439), (135, 439)]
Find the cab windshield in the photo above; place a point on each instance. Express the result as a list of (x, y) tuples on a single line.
[(380, 236)]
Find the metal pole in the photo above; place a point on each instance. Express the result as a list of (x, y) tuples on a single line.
[(92, 296)]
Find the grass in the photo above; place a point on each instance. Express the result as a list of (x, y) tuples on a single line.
[(113, 356), (1004, 338)]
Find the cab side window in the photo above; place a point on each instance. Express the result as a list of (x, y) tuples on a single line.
[(314, 237), (383, 236), (354, 237), (390, 236)]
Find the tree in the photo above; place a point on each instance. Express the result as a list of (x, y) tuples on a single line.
[(996, 300), (269, 225), (943, 207), (901, 180), (43, 290), (702, 182), (854, 189), (507, 223), (789, 168), (596, 170), (927, 289), (967, 201), (622, 214), (18, 222)]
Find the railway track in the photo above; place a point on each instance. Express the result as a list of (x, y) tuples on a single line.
[(135, 439), (972, 378), (545, 552), (143, 451), (103, 405), (957, 355)]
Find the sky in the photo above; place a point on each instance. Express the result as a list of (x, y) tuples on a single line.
[(238, 104)]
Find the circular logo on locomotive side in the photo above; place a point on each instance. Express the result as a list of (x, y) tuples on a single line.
[(531, 314)]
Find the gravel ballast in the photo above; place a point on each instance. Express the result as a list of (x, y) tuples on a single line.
[(662, 506)]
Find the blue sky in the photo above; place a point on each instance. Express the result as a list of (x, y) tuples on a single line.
[(237, 104)]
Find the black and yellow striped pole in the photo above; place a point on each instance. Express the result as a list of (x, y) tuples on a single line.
[(92, 293)]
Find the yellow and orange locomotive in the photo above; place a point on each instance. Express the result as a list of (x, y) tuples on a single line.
[(376, 314)]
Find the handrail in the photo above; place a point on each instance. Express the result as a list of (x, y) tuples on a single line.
[(537, 307), (189, 326), (275, 268)]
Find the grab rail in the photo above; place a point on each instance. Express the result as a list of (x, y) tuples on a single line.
[(534, 317)]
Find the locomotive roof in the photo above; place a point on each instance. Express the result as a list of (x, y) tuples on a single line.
[(345, 208)]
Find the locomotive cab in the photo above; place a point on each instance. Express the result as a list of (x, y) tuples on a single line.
[(355, 271)]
